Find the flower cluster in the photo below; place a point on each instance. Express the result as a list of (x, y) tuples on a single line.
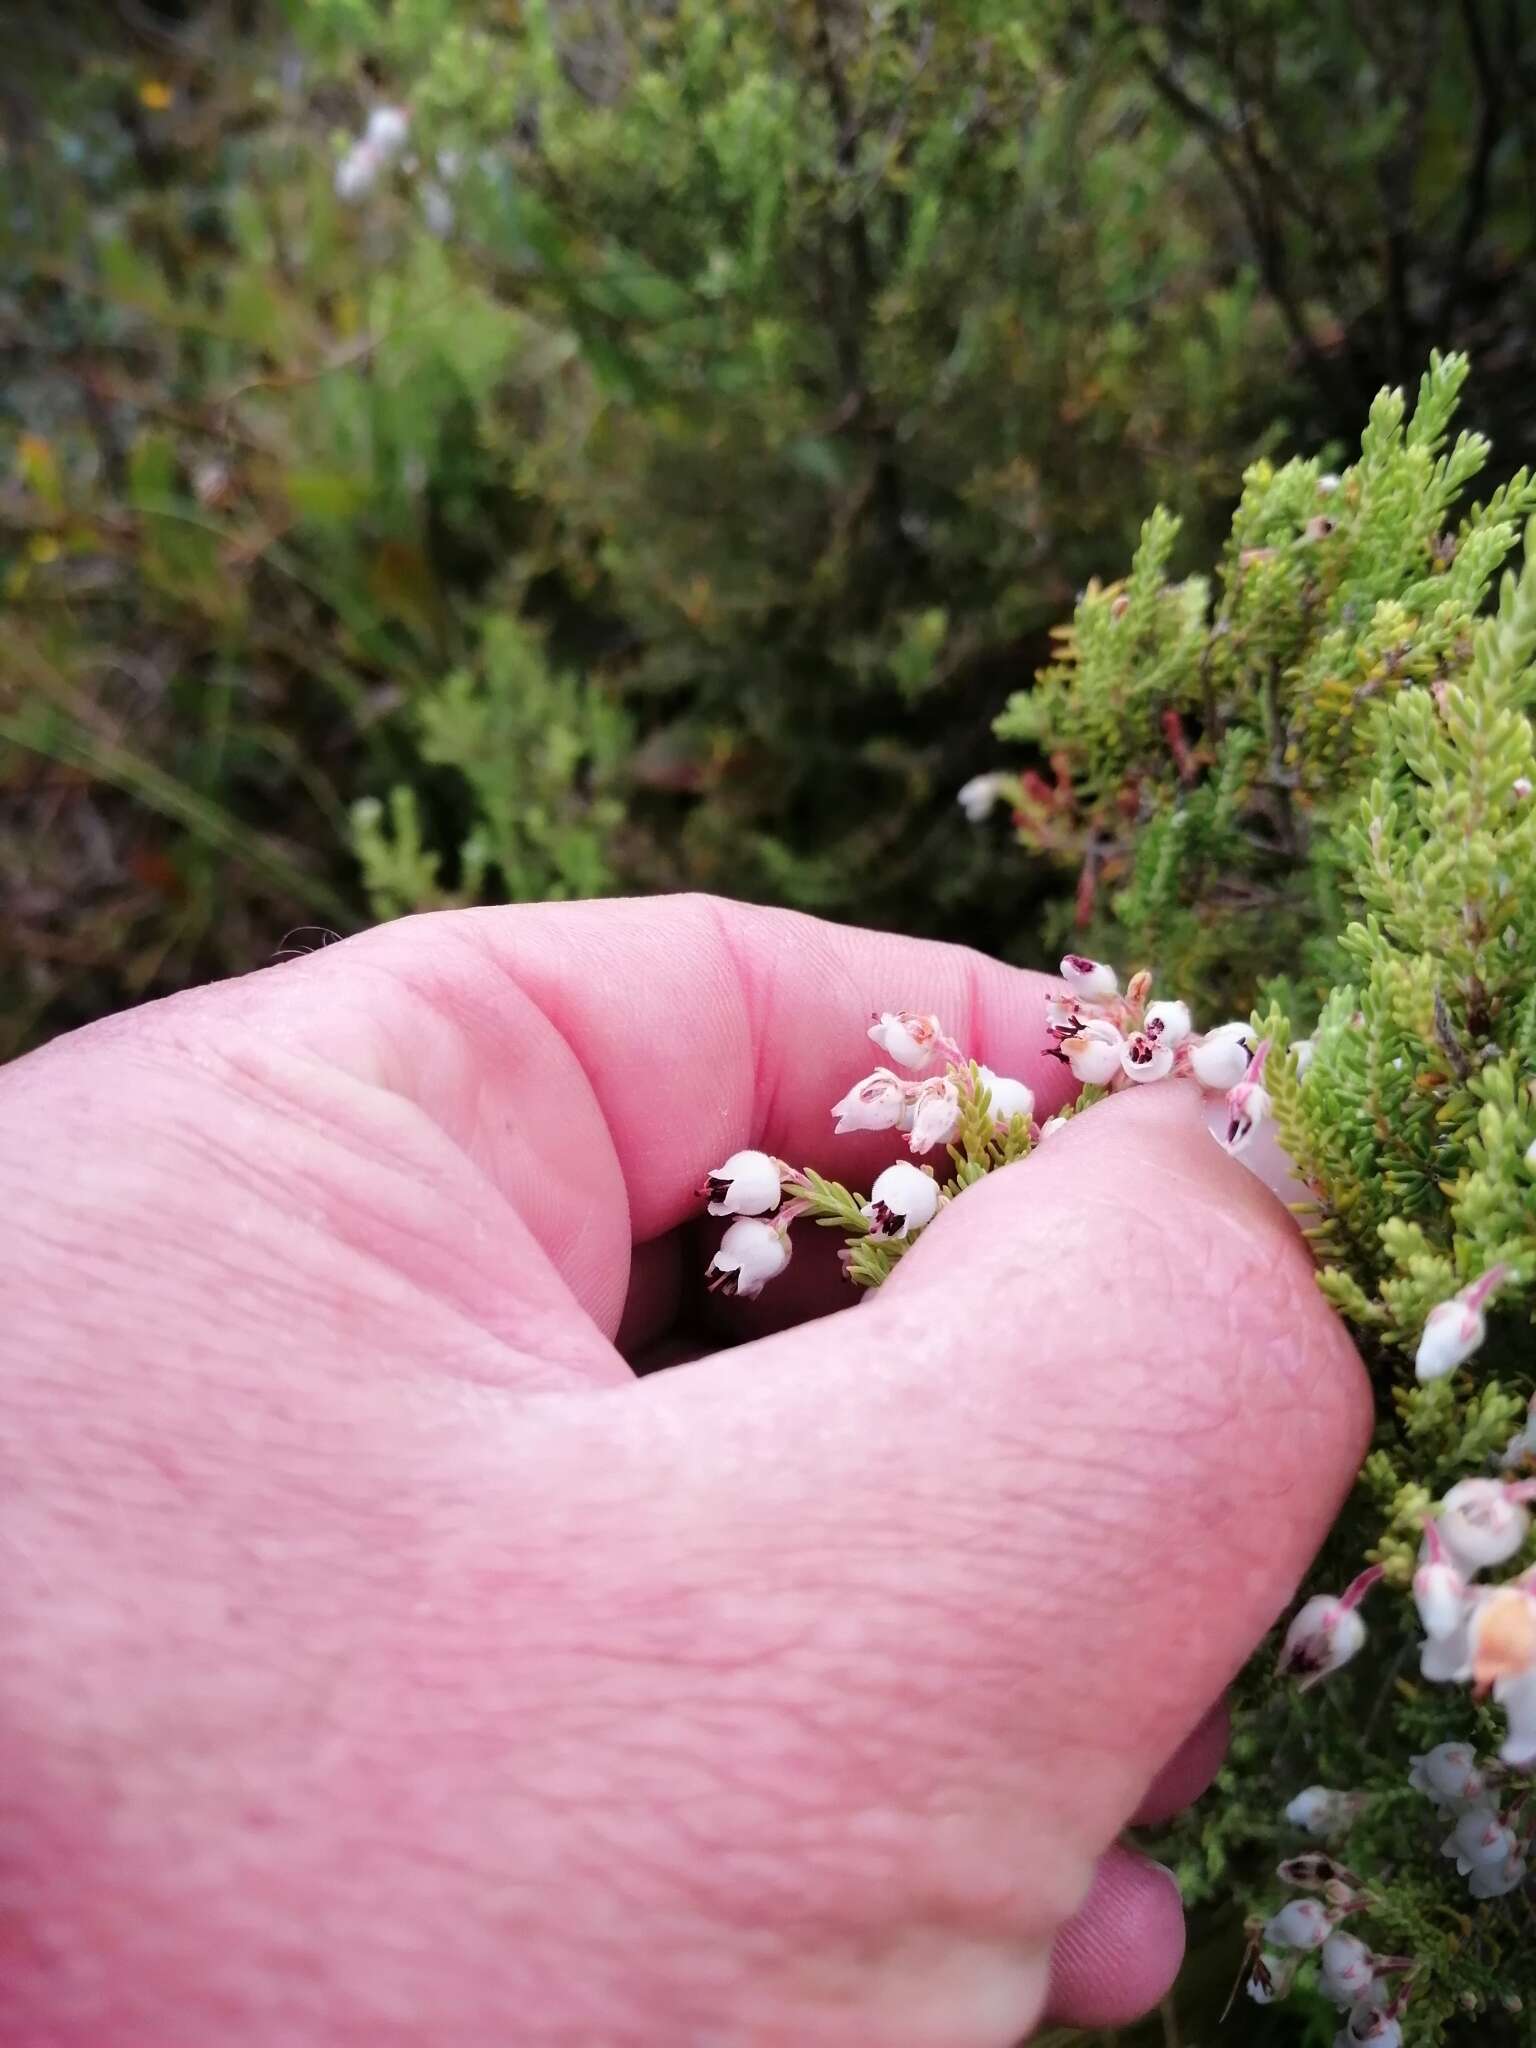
[(1370, 1989), (1485, 1845)]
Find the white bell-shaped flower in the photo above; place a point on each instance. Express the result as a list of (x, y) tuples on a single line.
[(1454, 1329), (1449, 1775), (752, 1252), (1145, 1058), (935, 1115), (1093, 1052), (1009, 1098), (877, 1103), (1092, 979), (1324, 1813), (1220, 1059), (1303, 1924), (1169, 1023), (748, 1184), (1479, 1838), (1346, 1969), (1482, 1522), (908, 1037), (902, 1200)]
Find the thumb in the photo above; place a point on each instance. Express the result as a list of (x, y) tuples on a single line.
[(1027, 1510)]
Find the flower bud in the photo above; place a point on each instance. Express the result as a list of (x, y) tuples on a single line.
[(1089, 978), (1454, 1329), (908, 1038), (1346, 1969), (1482, 1522), (1304, 1924), (1220, 1059), (752, 1252), (1093, 1053), (935, 1115), (902, 1199), (1168, 1022), (1324, 1813), (877, 1103), (1448, 1774), (1146, 1058), (747, 1185), (1326, 1632), (1478, 1839), (1009, 1098)]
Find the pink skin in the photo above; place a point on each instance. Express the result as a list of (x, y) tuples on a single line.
[(384, 1662)]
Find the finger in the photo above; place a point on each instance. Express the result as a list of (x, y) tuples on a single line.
[(1119, 1954), (1188, 1772), (598, 1059), (1017, 1521)]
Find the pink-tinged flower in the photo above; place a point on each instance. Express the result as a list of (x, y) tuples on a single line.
[(1273, 1975), (935, 1115), (1517, 1696), (1324, 1813), (747, 1185), (1454, 1329), (902, 1200), (1063, 1016), (1092, 979), (1483, 1522), (1502, 1637), (908, 1038), (1493, 1881), (1346, 1969), (1169, 1023), (1145, 1058), (1520, 1452), (1521, 786), (877, 1103), (1326, 1632), (1248, 1104), (752, 1252), (1448, 1774), (1009, 1098), (1478, 1839), (1444, 1601), (1093, 1053), (1304, 1924), (1220, 1059)]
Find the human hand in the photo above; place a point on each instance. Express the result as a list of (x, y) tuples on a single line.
[(384, 1662)]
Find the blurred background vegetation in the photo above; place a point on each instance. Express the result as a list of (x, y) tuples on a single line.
[(659, 469)]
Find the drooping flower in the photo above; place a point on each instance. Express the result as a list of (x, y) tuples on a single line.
[(1370, 2025), (1009, 1098), (1483, 1522), (1479, 1838), (1093, 1052), (1273, 1975), (1326, 1632), (1494, 1880), (1346, 1969), (902, 1200), (1519, 1453), (748, 1184), (935, 1115), (1169, 1023), (1448, 1774), (752, 1252), (1454, 1329), (1303, 1923), (1502, 1637), (1145, 1058), (1220, 1059), (1091, 979), (877, 1103), (1517, 1696), (1445, 1603), (907, 1036), (1248, 1104)]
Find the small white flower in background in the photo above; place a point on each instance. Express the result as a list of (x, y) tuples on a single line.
[(877, 1103), (1053, 1124), (1328, 484), (1370, 2026), (935, 1115), (1479, 1839), (1449, 1775), (1093, 1053), (1220, 1060), (907, 1038), (1009, 1098), (1091, 979), (1272, 1976), (1168, 1023), (371, 155), (1326, 1632), (747, 1185), (1454, 1329), (1521, 786), (1302, 1052), (977, 797), (1325, 1813), (752, 1252), (902, 1199), (1483, 1522), (437, 209), (1304, 1924), (1346, 1969), (1145, 1058), (1521, 1448), (1248, 1104)]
